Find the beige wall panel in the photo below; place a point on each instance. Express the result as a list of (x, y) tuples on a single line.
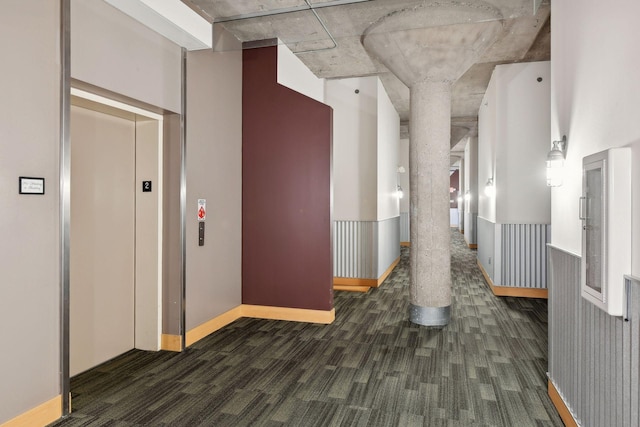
[(115, 52), (102, 237), (214, 173), (171, 244), (148, 235), (29, 225)]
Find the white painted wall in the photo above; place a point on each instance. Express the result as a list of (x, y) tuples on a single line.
[(635, 209), (471, 174), (115, 52), (403, 178), (461, 190), (293, 74), (388, 143), (355, 127), (522, 140), (29, 225), (453, 217), (366, 143), (594, 101), (471, 184), (487, 134), (513, 141)]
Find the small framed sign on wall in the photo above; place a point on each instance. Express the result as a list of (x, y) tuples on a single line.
[(29, 185)]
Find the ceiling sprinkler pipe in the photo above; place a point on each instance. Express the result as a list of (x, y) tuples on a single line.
[(308, 6)]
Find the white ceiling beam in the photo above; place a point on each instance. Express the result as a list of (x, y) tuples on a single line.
[(170, 18)]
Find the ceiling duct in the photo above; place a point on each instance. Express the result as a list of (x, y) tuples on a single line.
[(284, 10)]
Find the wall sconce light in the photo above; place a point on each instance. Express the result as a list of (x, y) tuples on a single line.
[(489, 188), (555, 162), (467, 196), (399, 191)]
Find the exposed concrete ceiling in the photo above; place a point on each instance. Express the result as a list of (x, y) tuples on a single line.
[(310, 28), (451, 39)]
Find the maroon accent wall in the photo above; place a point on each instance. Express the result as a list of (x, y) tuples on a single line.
[(286, 191)]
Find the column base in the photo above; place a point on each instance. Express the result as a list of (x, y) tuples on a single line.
[(429, 316)]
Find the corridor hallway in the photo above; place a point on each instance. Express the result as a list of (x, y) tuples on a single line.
[(371, 367)]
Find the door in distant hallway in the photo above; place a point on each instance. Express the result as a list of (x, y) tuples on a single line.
[(102, 244)]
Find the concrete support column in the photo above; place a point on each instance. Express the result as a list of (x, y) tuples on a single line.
[(430, 130), (428, 57)]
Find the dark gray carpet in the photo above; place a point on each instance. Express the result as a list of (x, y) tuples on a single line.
[(371, 367)]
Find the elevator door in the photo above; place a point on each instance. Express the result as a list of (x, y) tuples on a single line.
[(102, 248)]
